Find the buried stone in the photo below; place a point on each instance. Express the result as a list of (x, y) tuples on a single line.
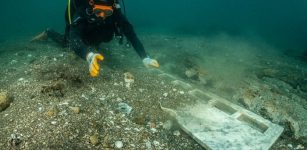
[(124, 108), (5, 101)]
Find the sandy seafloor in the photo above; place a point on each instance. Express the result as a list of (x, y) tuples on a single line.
[(48, 84)]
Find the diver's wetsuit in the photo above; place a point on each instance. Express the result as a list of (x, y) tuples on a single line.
[(88, 30)]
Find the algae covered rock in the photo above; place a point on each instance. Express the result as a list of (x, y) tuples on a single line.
[(5, 100)]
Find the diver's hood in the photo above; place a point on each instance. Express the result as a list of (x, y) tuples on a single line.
[(104, 2)]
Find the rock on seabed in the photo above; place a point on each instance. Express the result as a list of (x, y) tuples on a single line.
[(5, 101)]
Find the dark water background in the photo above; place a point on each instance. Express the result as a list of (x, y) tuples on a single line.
[(281, 23)]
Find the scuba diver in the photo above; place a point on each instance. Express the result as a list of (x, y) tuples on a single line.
[(90, 22)]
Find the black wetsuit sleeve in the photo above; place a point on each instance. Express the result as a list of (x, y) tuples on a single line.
[(75, 41), (74, 32), (129, 32)]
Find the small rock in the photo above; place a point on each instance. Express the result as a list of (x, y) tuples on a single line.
[(124, 108), (53, 122), (102, 98), (156, 143), (15, 140), (40, 109), (119, 144), (75, 109), (300, 146), (129, 78), (5, 101), (105, 143), (94, 139), (165, 94), (148, 145), (290, 145), (153, 130), (83, 96), (181, 92), (52, 112), (176, 133)]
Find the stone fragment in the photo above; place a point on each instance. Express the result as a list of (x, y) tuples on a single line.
[(5, 101), (94, 139), (75, 109), (51, 112), (129, 79), (176, 133), (119, 144)]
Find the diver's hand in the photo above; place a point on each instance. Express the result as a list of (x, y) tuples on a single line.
[(93, 59), (148, 62)]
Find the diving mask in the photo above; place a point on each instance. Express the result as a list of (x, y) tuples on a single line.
[(102, 11)]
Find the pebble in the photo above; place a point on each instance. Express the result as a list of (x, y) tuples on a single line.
[(40, 109), (15, 139), (156, 143), (148, 145), (5, 101), (128, 77), (300, 146), (119, 144), (165, 94), (176, 133), (154, 130), (52, 112), (290, 145), (83, 96), (181, 92), (94, 139), (75, 109), (124, 108), (53, 122)]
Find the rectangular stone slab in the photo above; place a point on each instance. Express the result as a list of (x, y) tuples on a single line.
[(218, 124)]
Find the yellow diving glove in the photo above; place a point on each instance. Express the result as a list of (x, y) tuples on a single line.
[(93, 59), (148, 62)]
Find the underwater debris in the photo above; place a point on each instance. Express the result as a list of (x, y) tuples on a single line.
[(124, 108), (94, 139), (15, 140), (148, 145), (76, 110), (51, 112), (176, 133), (119, 144), (129, 79)]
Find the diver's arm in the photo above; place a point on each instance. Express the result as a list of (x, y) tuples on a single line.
[(131, 36), (75, 41)]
